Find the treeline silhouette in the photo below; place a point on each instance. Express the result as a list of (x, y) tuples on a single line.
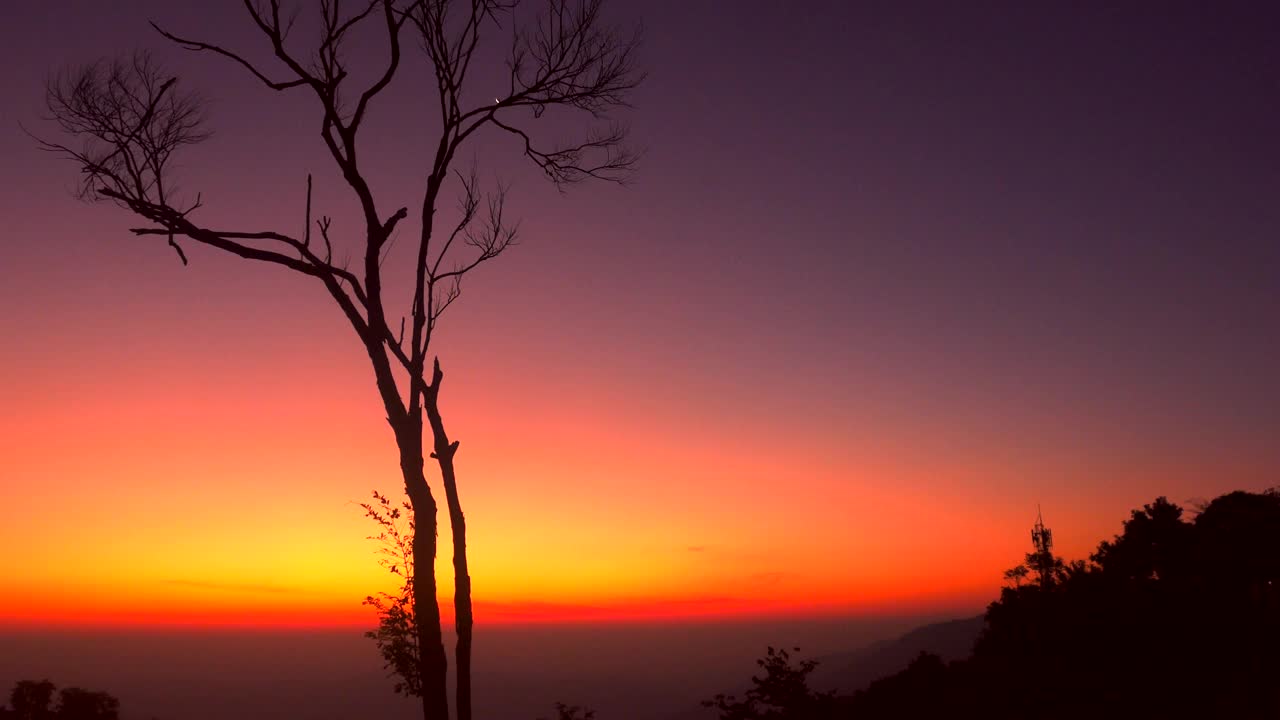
[(34, 700), (1170, 619)]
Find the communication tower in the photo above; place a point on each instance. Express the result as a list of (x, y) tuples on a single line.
[(1041, 536), (1042, 559)]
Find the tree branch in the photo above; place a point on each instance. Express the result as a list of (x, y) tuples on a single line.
[(197, 46)]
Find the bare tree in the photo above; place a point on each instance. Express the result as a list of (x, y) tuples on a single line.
[(129, 117)]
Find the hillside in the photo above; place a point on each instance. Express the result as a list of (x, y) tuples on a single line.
[(849, 671)]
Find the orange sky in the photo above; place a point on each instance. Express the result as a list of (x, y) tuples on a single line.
[(195, 489), (239, 504)]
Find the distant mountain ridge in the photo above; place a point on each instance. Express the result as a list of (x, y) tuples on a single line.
[(847, 672), (850, 671)]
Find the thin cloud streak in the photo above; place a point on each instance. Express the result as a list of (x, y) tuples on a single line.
[(240, 587)]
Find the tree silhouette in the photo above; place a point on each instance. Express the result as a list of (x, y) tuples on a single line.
[(782, 693), (30, 699), (1016, 575), (1239, 545), (79, 704), (33, 700), (128, 118), (1155, 544)]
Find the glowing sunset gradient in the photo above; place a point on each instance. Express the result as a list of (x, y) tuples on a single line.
[(824, 358)]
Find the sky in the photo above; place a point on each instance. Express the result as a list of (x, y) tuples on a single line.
[(889, 278)]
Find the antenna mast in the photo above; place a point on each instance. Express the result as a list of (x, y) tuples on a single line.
[(1042, 558)]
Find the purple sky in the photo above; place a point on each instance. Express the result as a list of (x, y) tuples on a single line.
[(885, 266)]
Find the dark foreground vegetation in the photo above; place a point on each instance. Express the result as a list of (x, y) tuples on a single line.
[(1175, 617), (41, 700)]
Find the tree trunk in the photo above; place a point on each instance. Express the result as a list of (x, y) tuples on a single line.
[(433, 663), (461, 584), (463, 619)]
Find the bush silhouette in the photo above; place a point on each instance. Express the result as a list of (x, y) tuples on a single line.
[(32, 700)]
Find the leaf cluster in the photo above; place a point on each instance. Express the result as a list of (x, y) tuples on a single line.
[(396, 635)]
